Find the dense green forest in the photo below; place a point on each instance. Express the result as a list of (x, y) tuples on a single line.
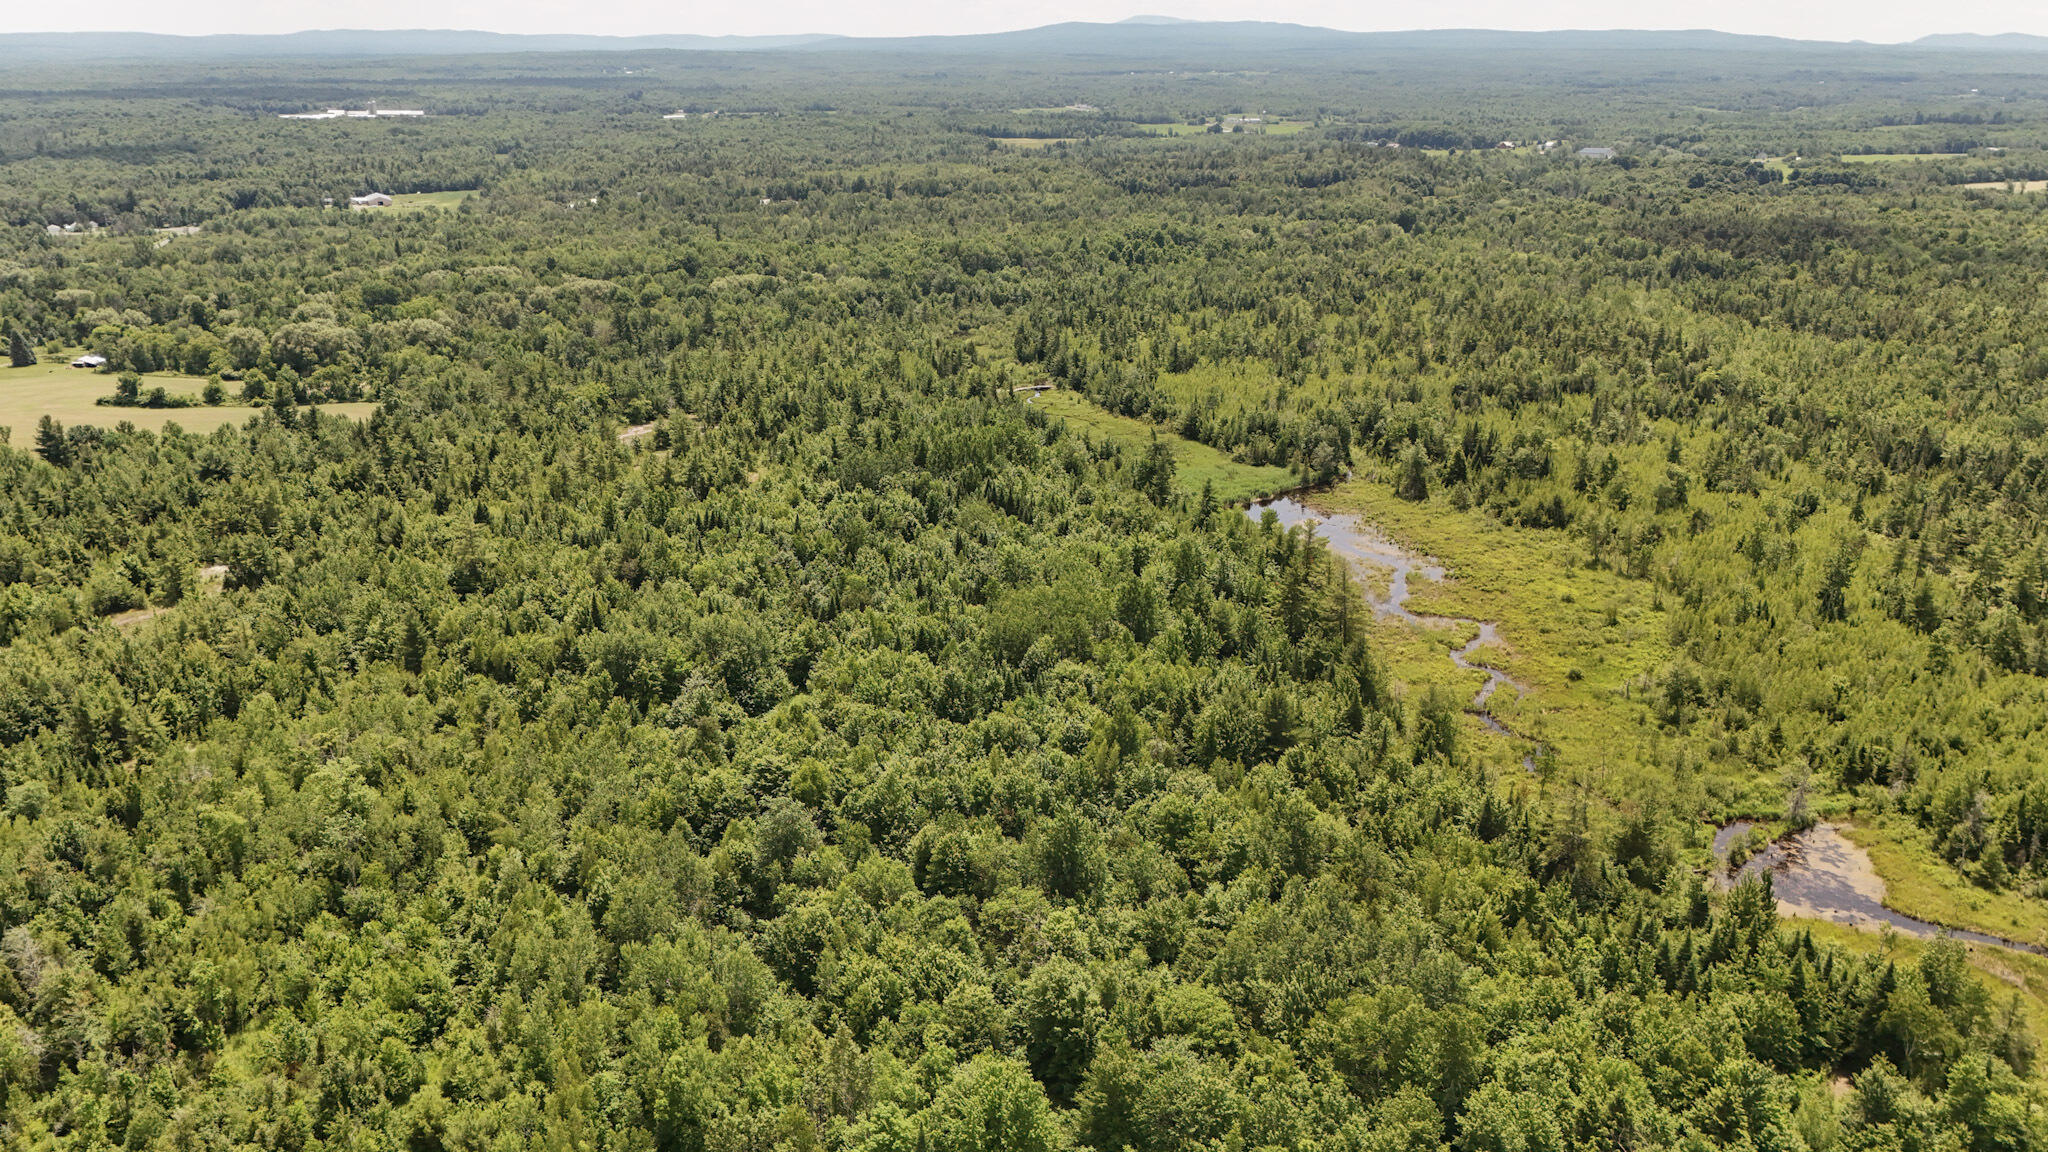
[(707, 706)]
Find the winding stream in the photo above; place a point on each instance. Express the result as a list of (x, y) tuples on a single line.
[(1819, 873), (1822, 874), (1357, 540)]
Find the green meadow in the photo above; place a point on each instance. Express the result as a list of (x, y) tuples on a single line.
[(53, 388), (1577, 639), (420, 201), (1195, 464)]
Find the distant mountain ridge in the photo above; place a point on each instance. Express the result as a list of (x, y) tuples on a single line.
[(365, 42), (1136, 35), (1977, 42)]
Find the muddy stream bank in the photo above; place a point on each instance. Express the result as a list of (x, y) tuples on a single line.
[(1822, 874)]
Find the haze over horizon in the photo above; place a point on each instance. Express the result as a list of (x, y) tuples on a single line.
[(1839, 20)]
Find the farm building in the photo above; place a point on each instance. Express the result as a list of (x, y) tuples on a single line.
[(1597, 153), (89, 360), (351, 114), (371, 200)]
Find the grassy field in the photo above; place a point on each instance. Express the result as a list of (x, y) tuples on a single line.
[(1266, 128), (2009, 186), (54, 388), (416, 201), (1898, 157), (1194, 463), (1034, 141), (1921, 884), (1575, 638), (1273, 127)]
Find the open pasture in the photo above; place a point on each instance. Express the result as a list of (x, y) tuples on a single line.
[(54, 388), (420, 201)]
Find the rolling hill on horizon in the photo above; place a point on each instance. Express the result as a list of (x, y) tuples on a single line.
[(1139, 35), (1978, 42)]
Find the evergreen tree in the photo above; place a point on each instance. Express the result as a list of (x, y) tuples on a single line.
[(1436, 727), (1154, 475), (1413, 483), (51, 443)]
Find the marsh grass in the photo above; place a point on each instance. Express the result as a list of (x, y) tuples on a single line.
[(1555, 617), (1921, 884), (1195, 463)]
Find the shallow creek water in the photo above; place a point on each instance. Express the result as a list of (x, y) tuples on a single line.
[(1822, 874), (1359, 541), (1818, 873)]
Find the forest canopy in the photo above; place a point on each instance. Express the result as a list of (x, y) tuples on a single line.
[(695, 697)]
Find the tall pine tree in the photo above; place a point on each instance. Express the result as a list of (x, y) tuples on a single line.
[(50, 442)]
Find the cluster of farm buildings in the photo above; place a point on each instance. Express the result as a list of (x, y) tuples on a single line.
[(350, 114), (1547, 146)]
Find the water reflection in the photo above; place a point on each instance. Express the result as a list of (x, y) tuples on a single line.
[(1822, 874), (1354, 539)]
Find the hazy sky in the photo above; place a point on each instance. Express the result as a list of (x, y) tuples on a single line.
[(1883, 20)]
